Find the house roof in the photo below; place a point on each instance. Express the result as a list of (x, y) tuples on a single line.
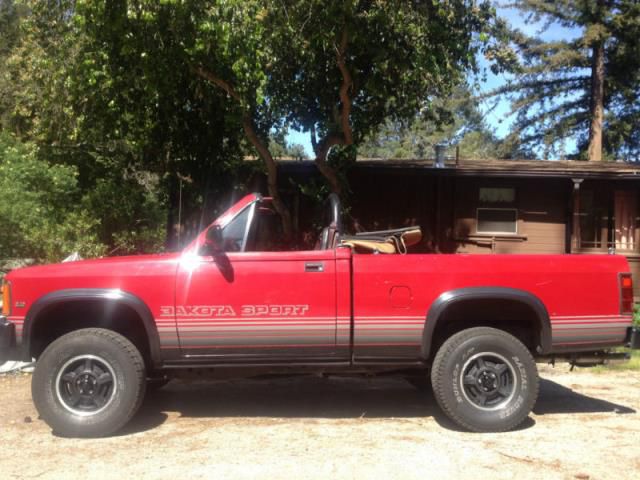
[(495, 167)]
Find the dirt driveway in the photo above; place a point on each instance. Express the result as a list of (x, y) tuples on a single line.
[(585, 425)]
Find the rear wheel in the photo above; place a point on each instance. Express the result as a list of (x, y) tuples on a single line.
[(485, 380), (88, 383)]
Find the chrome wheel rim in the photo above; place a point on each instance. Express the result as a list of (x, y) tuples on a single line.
[(86, 385), (488, 381)]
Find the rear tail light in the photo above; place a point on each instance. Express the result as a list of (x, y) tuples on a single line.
[(6, 298), (626, 294)]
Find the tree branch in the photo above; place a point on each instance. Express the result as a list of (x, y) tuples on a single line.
[(314, 139), (322, 148), (259, 145), (347, 82), (272, 174), (322, 151), (213, 78)]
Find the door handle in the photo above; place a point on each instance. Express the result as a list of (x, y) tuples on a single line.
[(314, 267)]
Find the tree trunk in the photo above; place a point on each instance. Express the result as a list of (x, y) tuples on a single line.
[(272, 176), (346, 138), (329, 174), (171, 238), (597, 103), (597, 100), (263, 151)]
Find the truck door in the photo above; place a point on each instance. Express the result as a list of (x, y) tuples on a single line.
[(245, 305)]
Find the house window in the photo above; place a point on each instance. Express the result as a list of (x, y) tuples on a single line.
[(497, 196), (496, 212), (497, 220)]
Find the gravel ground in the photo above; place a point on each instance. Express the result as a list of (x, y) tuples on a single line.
[(586, 425)]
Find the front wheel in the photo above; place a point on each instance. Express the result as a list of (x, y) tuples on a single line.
[(485, 380), (88, 383)]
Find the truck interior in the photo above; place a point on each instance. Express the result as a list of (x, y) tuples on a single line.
[(255, 229)]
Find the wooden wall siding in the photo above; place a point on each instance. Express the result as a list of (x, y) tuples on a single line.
[(445, 208), (388, 200), (542, 206)]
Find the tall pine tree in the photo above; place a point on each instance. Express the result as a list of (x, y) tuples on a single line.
[(585, 88)]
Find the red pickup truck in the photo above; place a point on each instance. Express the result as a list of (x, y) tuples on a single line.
[(476, 324)]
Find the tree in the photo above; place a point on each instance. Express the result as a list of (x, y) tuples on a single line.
[(460, 123), (106, 87), (281, 148), (138, 97), (173, 90), (351, 66), (585, 88), (44, 105), (9, 36), (333, 69), (40, 212), (37, 51)]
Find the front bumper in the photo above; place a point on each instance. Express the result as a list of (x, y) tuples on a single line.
[(7, 340)]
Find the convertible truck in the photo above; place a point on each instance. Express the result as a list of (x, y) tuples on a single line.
[(232, 305)]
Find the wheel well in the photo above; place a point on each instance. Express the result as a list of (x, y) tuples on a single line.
[(62, 318), (512, 316)]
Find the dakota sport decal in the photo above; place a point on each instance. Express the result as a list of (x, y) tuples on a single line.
[(210, 311)]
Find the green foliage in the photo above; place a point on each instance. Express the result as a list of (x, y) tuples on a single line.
[(293, 151), (462, 125), (39, 214), (115, 87), (551, 91), (136, 91), (36, 78), (105, 88), (131, 214), (281, 148), (341, 70), (632, 365)]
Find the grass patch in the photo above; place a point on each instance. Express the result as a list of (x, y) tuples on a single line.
[(632, 364)]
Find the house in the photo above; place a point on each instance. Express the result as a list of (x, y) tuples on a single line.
[(499, 206)]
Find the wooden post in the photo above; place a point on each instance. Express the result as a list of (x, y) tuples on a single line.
[(575, 231)]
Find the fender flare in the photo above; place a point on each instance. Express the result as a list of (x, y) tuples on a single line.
[(452, 297), (107, 295)]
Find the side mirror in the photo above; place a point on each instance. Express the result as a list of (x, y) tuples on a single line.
[(214, 241)]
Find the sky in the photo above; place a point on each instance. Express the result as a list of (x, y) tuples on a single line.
[(498, 117)]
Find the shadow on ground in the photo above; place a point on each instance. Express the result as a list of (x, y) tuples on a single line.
[(555, 398), (333, 397)]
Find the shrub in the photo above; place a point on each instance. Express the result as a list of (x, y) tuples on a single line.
[(39, 213)]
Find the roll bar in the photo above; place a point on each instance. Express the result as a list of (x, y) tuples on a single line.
[(334, 210)]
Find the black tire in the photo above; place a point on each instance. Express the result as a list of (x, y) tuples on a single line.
[(88, 383), (485, 380)]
